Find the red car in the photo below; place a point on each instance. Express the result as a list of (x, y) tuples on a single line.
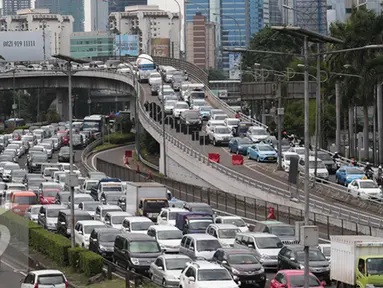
[(21, 200), (64, 136), (48, 196), (294, 278)]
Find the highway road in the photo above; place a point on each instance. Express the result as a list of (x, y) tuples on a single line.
[(10, 276), (250, 168)]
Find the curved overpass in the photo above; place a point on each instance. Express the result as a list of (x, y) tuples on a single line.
[(191, 158)]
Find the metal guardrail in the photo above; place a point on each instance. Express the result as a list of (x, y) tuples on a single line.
[(85, 153), (328, 209)]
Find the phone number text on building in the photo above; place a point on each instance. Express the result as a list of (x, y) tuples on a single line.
[(31, 43)]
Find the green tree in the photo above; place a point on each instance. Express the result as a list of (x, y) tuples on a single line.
[(216, 74), (123, 123), (52, 116), (150, 144)]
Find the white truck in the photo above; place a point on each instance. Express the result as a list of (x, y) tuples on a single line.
[(357, 261), (146, 199), (194, 88)]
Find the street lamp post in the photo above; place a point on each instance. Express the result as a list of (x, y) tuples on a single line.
[(14, 106), (72, 179), (179, 28)]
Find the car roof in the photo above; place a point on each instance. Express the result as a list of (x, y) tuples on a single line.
[(174, 209), (364, 180), (164, 228), (216, 121), (136, 236), (108, 206), (90, 222), (224, 226), (201, 236), (220, 126), (138, 219), (54, 206), (46, 272), (297, 247), (349, 167), (235, 251), (175, 256), (229, 217), (107, 229), (290, 153), (203, 264), (197, 204), (118, 213), (293, 272), (257, 234)]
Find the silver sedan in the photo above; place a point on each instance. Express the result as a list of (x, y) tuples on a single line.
[(167, 268)]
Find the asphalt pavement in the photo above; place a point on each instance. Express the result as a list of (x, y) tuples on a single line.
[(10, 276)]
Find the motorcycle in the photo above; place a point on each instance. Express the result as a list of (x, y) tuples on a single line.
[(337, 163), (369, 174)]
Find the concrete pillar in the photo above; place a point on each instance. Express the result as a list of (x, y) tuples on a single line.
[(337, 109), (379, 109), (62, 101), (162, 161), (351, 136)]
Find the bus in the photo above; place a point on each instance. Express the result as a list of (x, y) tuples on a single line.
[(145, 65), (96, 124), (14, 122)]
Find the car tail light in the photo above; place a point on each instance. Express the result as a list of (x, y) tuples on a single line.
[(36, 285), (66, 284)]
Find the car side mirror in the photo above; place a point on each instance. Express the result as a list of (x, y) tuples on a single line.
[(80, 232), (191, 279), (160, 268), (323, 283)]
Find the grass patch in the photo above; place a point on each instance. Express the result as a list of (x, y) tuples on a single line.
[(104, 147)]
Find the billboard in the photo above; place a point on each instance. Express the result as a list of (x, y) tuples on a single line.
[(127, 45), (24, 46), (161, 47), (234, 65)]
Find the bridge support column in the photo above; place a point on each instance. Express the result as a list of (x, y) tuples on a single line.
[(162, 160), (62, 104)]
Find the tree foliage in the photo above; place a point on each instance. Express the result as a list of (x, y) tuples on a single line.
[(123, 123), (216, 74)]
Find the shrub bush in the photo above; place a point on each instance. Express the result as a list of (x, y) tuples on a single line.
[(117, 138), (74, 257), (91, 263)]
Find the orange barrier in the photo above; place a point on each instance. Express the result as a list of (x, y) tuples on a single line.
[(214, 157), (128, 153), (237, 159)]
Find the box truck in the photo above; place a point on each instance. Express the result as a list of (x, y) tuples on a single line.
[(357, 261)]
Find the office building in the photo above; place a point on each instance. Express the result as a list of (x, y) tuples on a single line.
[(200, 36), (91, 44), (65, 7), (312, 15), (10, 7), (119, 5), (56, 27), (158, 31), (96, 15), (288, 14)]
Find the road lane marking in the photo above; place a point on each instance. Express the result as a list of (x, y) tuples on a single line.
[(13, 268)]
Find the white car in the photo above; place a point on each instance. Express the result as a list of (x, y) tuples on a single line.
[(168, 237), (299, 150), (169, 106), (155, 77), (225, 233), (234, 220), (257, 134), (168, 216), (231, 123), (221, 117), (180, 107), (45, 278), (136, 224), (203, 274), (8, 171), (83, 229), (213, 123), (322, 171), (365, 189), (197, 103), (114, 219), (286, 157), (220, 135)]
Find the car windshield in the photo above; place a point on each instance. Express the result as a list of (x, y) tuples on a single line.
[(257, 131), (35, 210), (141, 226), (52, 186), (155, 205), (53, 213), (50, 171), (170, 103), (268, 242), (50, 193), (112, 188), (375, 266), (208, 245), (191, 116), (220, 117), (314, 255), (199, 103), (112, 198), (326, 251), (367, 184), (144, 247), (18, 173), (265, 148), (78, 200), (107, 237), (169, 235), (92, 206), (227, 233), (51, 280), (299, 281), (104, 211), (90, 184), (319, 164), (299, 151), (233, 122), (222, 130), (205, 108), (36, 181), (176, 264), (155, 75), (282, 230), (214, 275), (199, 224), (39, 158), (64, 197), (89, 228), (17, 188), (236, 222), (354, 171), (324, 157), (244, 141), (182, 106), (118, 219), (241, 259), (26, 200), (11, 166)]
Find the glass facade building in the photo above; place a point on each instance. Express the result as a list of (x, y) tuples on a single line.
[(91, 44), (194, 6), (119, 5)]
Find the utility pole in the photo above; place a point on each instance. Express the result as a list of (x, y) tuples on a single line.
[(163, 127), (318, 114), (38, 105), (379, 101), (337, 115), (44, 49)]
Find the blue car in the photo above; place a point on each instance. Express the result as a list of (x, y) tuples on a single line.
[(262, 153), (239, 145), (346, 174)]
